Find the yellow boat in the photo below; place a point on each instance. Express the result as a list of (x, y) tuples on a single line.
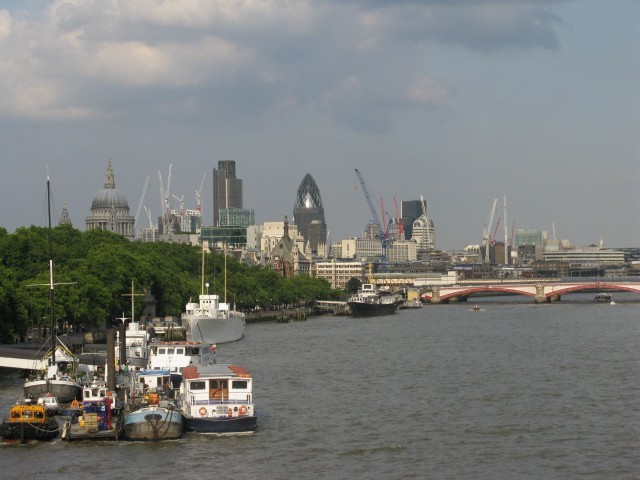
[(29, 421)]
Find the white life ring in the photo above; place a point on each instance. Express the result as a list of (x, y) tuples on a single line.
[(202, 411)]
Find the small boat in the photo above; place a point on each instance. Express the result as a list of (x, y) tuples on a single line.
[(369, 301), (29, 421), (98, 417), (153, 422), (50, 402), (476, 308), (602, 297), (414, 303), (217, 399)]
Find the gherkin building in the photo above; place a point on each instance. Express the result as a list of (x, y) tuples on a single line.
[(308, 215)]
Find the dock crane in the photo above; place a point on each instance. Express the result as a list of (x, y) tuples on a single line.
[(384, 240), (487, 231)]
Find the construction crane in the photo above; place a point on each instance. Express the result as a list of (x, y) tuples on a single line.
[(399, 221), (384, 241), (144, 191), (487, 231), (199, 194), (164, 199), (180, 199)]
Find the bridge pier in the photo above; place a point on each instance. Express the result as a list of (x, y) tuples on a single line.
[(435, 295), (540, 296)]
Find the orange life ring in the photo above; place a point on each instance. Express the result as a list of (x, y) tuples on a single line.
[(75, 404), (202, 411), (243, 410)]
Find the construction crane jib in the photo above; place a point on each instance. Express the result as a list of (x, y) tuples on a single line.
[(384, 241)]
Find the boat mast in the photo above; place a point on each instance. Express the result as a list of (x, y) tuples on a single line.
[(202, 269), (225, 273), (51, 296)]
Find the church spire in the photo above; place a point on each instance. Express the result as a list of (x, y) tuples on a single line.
[(110, 181)]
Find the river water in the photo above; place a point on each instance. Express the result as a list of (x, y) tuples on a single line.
[(516, 390)]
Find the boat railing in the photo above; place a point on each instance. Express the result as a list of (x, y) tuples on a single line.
[(219, 401)]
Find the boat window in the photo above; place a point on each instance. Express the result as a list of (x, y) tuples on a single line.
[(170, 351), (199, 385), (196, 351), (15, 414), (239, 384), (161, 351), (213, 383), (38, 414), (180, 351)]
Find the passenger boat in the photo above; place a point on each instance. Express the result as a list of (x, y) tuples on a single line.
[(172, 356), (602, 297), (29, 421), (217, 399), (58, 372), (210, 320), (369, 302)]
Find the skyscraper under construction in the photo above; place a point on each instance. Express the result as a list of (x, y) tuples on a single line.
[(227, 189), (308, 215)]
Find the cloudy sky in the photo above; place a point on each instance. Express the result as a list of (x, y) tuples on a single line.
[(460, 101)]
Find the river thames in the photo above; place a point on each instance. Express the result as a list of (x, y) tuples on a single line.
[(516, 390)]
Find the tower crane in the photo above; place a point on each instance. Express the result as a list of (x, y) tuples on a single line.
[(399, 221), (199, 194), (180, 199), (164, 198), (487, 230), (384, 241), (144, 191)]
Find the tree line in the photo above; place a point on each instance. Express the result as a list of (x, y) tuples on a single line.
[(94, 270)]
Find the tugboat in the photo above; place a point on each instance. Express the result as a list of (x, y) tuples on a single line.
[(29, 421), (369, 301)]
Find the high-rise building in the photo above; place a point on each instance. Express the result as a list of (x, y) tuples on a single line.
[(410, 210), (308, 215), (227, 189)]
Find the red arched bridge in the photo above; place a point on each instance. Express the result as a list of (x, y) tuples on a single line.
[(541, 292)]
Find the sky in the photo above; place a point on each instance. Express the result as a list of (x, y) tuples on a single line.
[(460, 102)]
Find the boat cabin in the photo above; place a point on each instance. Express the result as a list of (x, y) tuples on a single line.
[(173, 356)]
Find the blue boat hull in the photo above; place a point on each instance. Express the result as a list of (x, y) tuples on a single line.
[(153, 424), (243, 424)]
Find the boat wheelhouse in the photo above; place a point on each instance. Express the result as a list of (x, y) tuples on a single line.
[(29, 421)]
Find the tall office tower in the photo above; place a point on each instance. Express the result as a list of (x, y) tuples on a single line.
[(410, 210), (227, 189), (308, 215)]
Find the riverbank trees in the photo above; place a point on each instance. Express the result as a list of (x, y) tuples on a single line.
[(94, 270)]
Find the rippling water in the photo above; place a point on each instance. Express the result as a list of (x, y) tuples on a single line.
[(516, 390)]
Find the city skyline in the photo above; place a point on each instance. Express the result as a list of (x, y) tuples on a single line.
[(458, 103)]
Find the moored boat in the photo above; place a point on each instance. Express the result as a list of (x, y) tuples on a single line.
[(29, 421), (58, 373), (370, 302), (210, 320), (153, 422), (217, 399)]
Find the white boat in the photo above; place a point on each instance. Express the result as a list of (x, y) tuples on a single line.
[(136, 345), (210, 320), (217, 399), (50, 402), (60, 375), (172, 356)]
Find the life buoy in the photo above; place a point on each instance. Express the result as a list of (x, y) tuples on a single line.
[(75, 404), (202, 411), (243, 410)]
